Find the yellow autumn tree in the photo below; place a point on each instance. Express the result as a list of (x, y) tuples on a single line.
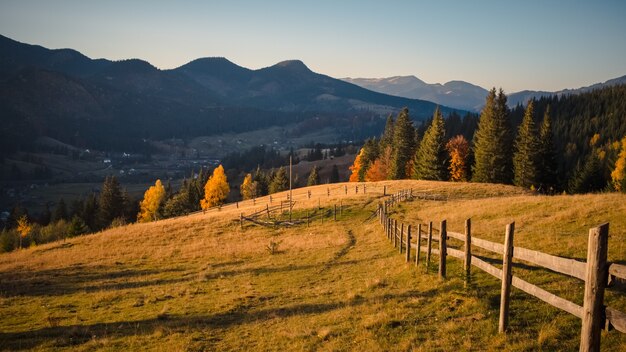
[(459, 150), (248, 188), (216, 189), (151, 203), (23, 227), (356, 167), (618, 176)]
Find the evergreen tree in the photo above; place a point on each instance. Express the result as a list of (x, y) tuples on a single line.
[(77, 227), (111, 203), (90, 211), (60, 211), (370, 153), (526, 157), (280, 182), (492, 142), (589, 177), (262, 182), (177, 205), (387, 138), (314, 177), (430, 160), (334, 174), (403, 145), (548, 167)]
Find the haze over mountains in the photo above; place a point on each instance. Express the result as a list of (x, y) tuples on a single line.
[(118, 104), (458, 94)]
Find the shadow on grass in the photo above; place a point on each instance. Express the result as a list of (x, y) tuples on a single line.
[(75, 335), (55, 282)]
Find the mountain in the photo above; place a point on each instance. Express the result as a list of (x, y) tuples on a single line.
[(118, 104), (525, 95), (458, 94)]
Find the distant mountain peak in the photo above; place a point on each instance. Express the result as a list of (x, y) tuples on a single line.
[(292, 65)]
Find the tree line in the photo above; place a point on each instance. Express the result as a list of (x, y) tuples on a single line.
[(512, 146)]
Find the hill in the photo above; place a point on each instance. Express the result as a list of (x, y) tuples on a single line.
[(117, 105), (201, 282)]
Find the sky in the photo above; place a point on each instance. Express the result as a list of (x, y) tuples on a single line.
[(539, 45)]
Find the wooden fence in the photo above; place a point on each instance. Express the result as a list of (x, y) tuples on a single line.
[(596, 272), (271, 216)]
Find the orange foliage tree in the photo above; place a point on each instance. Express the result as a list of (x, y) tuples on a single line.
[(151, 203), (379, 170), (459, 150), (216, 189), (356, 167), (618, 176)]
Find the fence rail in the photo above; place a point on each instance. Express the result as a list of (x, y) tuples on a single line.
[(596, 272)]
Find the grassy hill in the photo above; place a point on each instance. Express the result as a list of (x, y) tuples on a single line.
[(202, 283)]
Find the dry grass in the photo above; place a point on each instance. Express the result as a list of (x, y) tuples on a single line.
[(202, 283)]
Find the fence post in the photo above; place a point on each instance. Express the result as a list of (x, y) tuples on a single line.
[(419, 244), (468, 250), (327, 192), (308, 219), (408, 243), (335, 213), (395, 233), (346, 188), (384, 190), (356, 189), (388, 227), (429, 243), (341, 208), (270, 199), (401, 237), (267, 208), (237, 204), (443, 235), (507, 264), (241, 220), (309, 193), (595, 283)]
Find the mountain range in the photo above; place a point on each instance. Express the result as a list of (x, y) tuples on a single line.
[(459, 94), (119, 104)]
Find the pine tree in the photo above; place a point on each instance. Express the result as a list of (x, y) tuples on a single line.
[(387, 138), (151, 204), (262, 182), (216, 189), (430, 160), (314, 177), (280, 182), (492, 142), (526, 157), (370, 153), (548, 167), (111, 203), (177, 205), (458, 148), (248, 188), (403, 145), (334, 174), (77, 227), (588, 177)]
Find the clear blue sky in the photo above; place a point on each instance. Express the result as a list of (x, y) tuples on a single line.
[(517, 45)]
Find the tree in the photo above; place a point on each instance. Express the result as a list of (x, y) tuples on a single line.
[(248, 188), (216, 189), (403, 145), (458, 148), (526, 157), (23, 227), (430, 160), (387, 138), (77, 227), (589, 177), (370, 153), (492, 142), (356, 167), (379, 170), (547, 166), (177, 205), (150, 206), (334, 174), (60, 211), (262, 182), (618, 175), (111, 203), (280, 182), (314, 177)]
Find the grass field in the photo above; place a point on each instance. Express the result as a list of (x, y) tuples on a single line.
[(202, 283)]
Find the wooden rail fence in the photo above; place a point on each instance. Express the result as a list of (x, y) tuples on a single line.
[(596, 272)]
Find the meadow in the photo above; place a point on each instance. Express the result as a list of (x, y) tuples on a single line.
[(202, 282)]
